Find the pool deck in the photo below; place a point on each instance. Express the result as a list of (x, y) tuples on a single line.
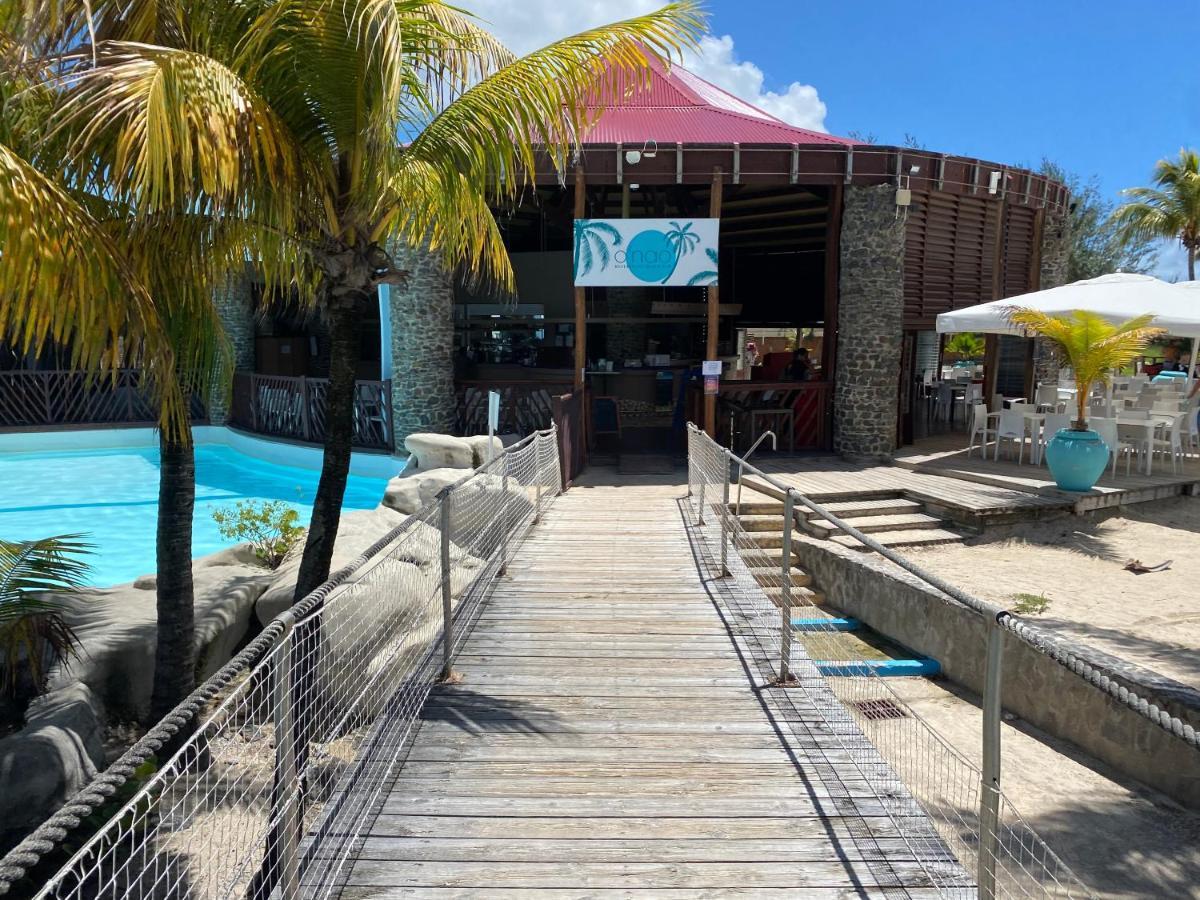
[(612, 732)]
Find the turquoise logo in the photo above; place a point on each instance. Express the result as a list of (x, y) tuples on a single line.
[(651, 257)]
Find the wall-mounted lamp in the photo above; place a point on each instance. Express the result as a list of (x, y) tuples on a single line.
[(633, 157), (993, 182), (914, 170)]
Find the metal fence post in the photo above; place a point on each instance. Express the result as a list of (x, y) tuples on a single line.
[(504, 519), (287, 786), (537, 506), (785, 594), (989, 789), (725, 536), (447, 608)]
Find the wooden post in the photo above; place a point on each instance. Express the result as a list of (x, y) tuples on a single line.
[(580, 293), (714, 309)]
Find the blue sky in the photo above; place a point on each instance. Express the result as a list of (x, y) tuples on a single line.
[(1093, 86), (1104, 88)]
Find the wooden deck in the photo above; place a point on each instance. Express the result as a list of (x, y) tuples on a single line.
[(945, 456), (610, 736)]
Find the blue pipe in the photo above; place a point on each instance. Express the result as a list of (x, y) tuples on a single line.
[(884, 667)]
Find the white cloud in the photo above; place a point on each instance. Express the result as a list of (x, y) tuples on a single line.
[(799, 104), (530, 24)]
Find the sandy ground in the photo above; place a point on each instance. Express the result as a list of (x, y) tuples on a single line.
[(1121, 839), (1152, 620)]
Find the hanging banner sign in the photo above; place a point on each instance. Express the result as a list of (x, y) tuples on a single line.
[(641, 252)]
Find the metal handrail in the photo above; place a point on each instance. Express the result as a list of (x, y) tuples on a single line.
[(737, 506)]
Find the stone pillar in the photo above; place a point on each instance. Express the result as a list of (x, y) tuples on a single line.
[(870, 323), (421, 313), (1054, 271), (234, 303), (626, 340)]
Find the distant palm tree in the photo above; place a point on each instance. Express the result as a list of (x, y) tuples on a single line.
[(590, 244), (682, 240), (708, 276), (1170, 210), (33, 634)]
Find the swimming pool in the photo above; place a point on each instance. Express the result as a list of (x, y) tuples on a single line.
[(111, 494)]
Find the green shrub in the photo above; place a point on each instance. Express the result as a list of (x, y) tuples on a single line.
[(270, 528)]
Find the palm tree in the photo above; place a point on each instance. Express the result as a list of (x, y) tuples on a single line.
[(1092, 346), (33, 634), (590, 243), (682, 241), (331, 131), (1170, 210)]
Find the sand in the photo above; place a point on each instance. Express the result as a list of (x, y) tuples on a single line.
[(1152, 620)]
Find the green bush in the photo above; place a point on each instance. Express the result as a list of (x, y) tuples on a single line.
[(270, 528)]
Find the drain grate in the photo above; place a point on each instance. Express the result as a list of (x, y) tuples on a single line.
[(879, 709)]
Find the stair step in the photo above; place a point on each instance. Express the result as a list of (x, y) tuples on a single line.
[(869, 524), (768, 576), (886, 507), (800, 597), (765, 557), (811, 622), (921, 537), (758, 523), (757, 508), (885, 668)]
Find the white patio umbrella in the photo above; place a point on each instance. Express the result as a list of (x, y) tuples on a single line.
[(1117, 297)]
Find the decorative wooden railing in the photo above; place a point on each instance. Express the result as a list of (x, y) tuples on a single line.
[(809, 402), (294, 408), (31, 398), (525, 406)]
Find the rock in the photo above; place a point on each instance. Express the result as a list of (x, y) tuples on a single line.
[(438, 451), (60, 749), (117, 630), (357, 531), (410, 466), (408, 493), (479, 447)]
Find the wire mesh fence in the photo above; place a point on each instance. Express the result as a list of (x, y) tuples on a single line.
[(887, 746), (296, 740)]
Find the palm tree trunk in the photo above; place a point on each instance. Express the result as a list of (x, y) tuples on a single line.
[(174, 657), (339, 435), (1191, 256)]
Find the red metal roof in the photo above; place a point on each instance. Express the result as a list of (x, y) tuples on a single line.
[(680, 107)]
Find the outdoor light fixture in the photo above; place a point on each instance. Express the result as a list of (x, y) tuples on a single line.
[(993, 182), (633, 157), (914, 170)]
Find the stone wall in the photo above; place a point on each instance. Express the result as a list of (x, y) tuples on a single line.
[(626, 340), (1035, 686), (1055, 261), (422, 325), (234, 304), (870, 323)]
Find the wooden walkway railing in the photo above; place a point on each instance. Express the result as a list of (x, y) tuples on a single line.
[(32, 398), (294, 407)]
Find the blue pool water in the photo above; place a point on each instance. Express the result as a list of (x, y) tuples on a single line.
[(112, 496)]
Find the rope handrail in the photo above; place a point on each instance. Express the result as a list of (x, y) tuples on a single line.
[(50, 834), (1028, 633)]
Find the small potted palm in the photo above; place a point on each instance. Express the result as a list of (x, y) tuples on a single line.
[(1093, 348)]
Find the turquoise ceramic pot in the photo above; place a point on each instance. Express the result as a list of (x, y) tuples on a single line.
[(1077, 459)]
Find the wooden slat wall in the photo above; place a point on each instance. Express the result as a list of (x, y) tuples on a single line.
[(964, 250)]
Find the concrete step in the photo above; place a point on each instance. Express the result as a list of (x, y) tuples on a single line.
[(757, 508), (765, 557), (769, 576), (857, 508), (800, 596), (921, 537), (876, 523), (757, 523)]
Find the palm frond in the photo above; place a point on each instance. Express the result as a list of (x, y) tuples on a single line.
[(492, 131), (63, 279)]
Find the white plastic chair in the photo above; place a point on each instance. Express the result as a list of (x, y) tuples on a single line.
[(971, 396), (979, 429), (1011, 427), (944, 404), (1051, 425), (1046, 397), (1107, 429), (1173, 443)]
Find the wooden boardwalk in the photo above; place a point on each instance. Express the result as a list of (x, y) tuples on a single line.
[(609, 737)]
